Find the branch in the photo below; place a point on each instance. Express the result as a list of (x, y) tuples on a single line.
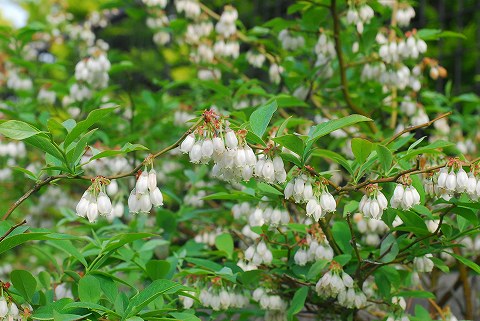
[(341, 64), (412, 128), (10, 230), (49, 179)]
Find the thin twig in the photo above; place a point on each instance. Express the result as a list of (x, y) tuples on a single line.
[(412, 128), (10, 230), (49, 179)]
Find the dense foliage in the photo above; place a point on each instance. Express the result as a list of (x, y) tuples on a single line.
[(161, 161)]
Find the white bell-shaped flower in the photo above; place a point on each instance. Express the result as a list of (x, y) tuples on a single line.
[(187, 144), (142, 183), (104, 204)]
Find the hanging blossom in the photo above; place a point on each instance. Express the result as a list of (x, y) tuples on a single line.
[(95, 200), (454, 179), (289, 41), (373, 203), (215, 141), (405, 195), (424, 263), (259, 254), (270, 167), (338, 284), (268, 300), (314, 247), (145, 194)]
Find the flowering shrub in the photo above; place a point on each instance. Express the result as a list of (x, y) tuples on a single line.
[(163, 161)]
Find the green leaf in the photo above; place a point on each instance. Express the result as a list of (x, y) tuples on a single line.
[(43, 143), (341, 234), (332, 125), (292, 142), (18, 130), (267, 189), (316, 269), (298, 302), (435, 34), (67, 247), (224, 242), (474, 266), (385, 157), (333, 156), (157, 269), (89, 289), (24, 283), (150, 293), (389, 249), (361, 148), (416, 294), (92, 118), (260, 118)]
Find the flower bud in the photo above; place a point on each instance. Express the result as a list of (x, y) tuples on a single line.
[(92, 213), (156, 197), (218, 145), (3, 307), (308, 191), (82, 207), (288, 192), (462, 180), (231, 139), (104, 204), (196, 153), (207, 149), (278, 164), (142, 183), (133, 203), (187, 144), (451, 182), (268, 171), (112, 188), (152, 179), (145, 204)]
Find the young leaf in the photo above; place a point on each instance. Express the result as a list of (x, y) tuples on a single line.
[(89, 289), (24, 283), (224, 242), (385, 157), (361, 148), (298, 302), (260, 118), (18, 130), (92, 118)]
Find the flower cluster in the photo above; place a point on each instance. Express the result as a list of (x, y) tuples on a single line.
[(360, 16), (338, 284), (457, 181), (405, 196), (9, 311), (424, 263), (271, 170), (259, 254), (222, 298), (373, 203), (268, 301), (314, 249), (289, 41), (95, 201), (226, 24), (145, 194), (300, 188), (256, 59), (93, 70)]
